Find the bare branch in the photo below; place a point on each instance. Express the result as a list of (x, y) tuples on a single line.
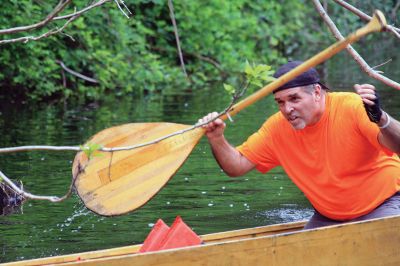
[(44, 35), (357, 57), (52, 17), (40, 147), (394, 10), (99, 3), (178, 45), (61, 5), (79, 75), (121, 2), (362, 15), (27, 195), (382, 64)]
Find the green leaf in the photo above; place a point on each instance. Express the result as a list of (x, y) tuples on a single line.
[(229, 88), (90, 148), (268, 78), (248, 69), (258, 74), (257, 83)]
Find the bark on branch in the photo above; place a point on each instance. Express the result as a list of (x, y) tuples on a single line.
[(28, 195), (53, 17), (76, 74), (44, 35), (178, 43), (97, 4), (362, 15), (356, 56), (60, 6)]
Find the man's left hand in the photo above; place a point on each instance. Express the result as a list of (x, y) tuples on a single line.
[(371, 101)]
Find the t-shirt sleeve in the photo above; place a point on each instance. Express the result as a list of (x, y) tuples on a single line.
[(367, 128), (259, 147)]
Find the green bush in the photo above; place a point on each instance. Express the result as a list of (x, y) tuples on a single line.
[(139, 55)]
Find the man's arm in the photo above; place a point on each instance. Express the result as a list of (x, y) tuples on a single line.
[(389, 135), (230, 160)]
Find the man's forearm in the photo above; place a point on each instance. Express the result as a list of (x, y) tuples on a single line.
[(390, 133), (229, 159)]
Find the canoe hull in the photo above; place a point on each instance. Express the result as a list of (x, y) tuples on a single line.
[(374, 242)]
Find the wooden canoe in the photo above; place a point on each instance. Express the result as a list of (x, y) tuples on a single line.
[(373, 242)]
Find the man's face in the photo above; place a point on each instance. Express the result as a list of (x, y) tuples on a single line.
[(300, 106)]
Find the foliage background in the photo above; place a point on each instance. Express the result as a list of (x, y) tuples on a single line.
[(139, 55)]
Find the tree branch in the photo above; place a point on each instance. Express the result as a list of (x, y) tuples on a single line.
[(60, 6), (44, 35), (28, 195), (178, 44), (356, 56), (52, 17), (76, 74), (98, 3), (362, 15), (121, 2)]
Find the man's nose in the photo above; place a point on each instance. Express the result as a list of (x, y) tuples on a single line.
[(288, 108)]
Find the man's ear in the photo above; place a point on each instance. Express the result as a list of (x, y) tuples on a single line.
[(318, 91)]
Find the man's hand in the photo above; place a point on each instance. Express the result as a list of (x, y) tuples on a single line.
[(230, 160), (214, 129), (371, 101)]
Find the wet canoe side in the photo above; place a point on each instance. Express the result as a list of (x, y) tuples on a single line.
[(128, 250), (374, 242)]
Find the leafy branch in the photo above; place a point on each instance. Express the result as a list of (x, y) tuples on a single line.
[(91, 149), (255, 77)]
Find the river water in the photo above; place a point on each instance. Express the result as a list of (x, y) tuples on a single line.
[(200, 193)]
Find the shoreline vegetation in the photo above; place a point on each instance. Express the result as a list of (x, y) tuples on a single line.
[(102, 52)]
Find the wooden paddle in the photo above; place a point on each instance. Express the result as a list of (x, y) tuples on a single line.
[(122, 181)]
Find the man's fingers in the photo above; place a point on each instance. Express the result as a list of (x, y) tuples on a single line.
[(366, 92), (366, 95), (368, 102), (364, 88), (209, 117)]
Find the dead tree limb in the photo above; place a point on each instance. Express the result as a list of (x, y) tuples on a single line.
[(178, 43), (76, 74), (28, 195), (26, 39), (97, 4), (362, 15), (60, 6), (53, 17), (356, 56)]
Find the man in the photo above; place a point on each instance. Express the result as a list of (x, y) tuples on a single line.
[(342, 157)]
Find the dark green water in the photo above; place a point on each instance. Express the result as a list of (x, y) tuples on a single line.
[(207, 200)]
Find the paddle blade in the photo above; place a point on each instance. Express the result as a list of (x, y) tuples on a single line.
[(120, 182)]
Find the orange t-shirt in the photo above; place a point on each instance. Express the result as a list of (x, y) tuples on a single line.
[(338, 163)]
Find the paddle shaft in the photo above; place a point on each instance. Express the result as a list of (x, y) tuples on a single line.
[(377, 23)]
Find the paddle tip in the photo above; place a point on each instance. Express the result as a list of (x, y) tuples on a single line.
[(380, 17)]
